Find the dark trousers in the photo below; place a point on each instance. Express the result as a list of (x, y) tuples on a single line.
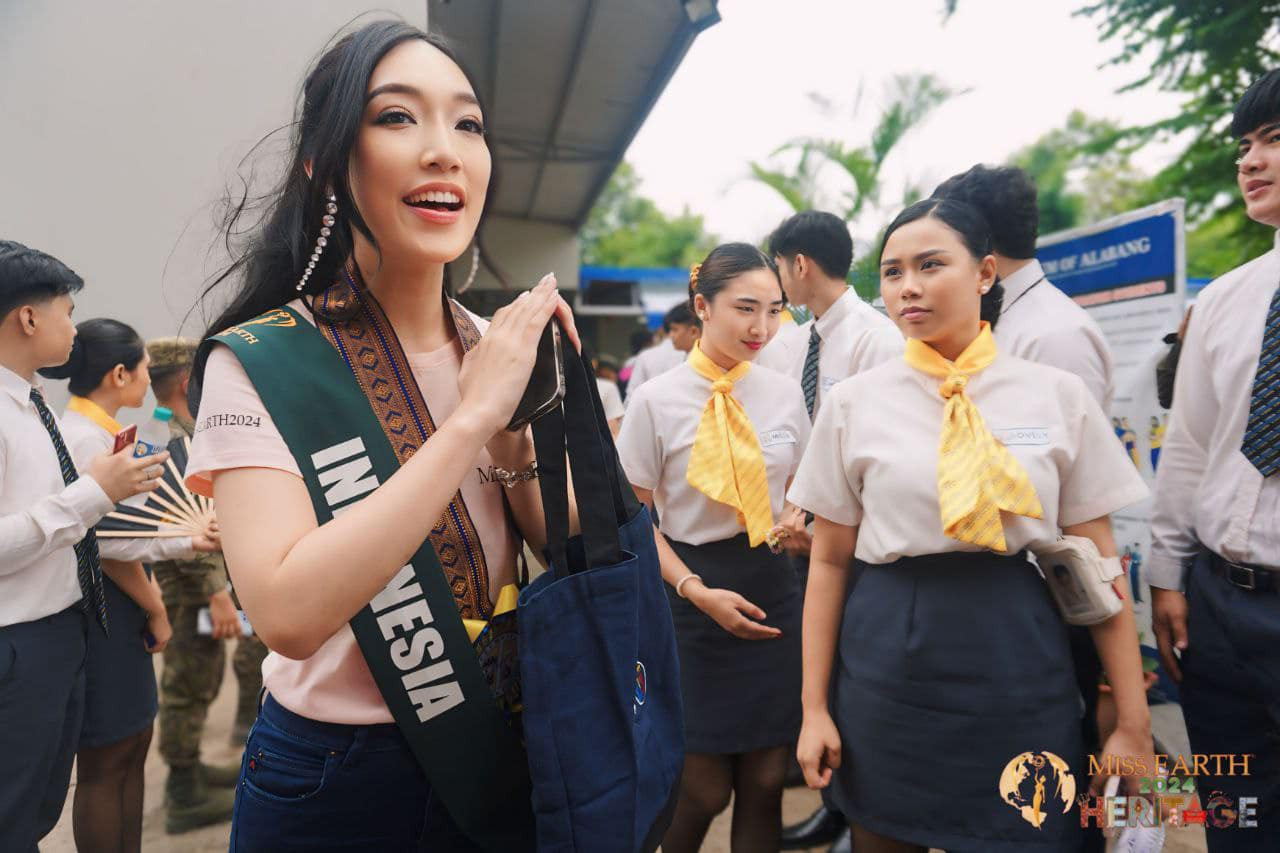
[(41, 707), (1231, 700), (308, 785)]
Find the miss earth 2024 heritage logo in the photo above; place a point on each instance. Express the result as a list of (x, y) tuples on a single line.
[(1036, 783)]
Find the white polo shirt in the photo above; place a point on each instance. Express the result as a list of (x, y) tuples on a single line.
[(873, 458), (657, 440)]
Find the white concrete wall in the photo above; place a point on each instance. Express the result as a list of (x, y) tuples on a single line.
[(525, 251), (123, 122)]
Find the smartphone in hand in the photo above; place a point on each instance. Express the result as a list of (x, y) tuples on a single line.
[(125, 438), (546, 383)]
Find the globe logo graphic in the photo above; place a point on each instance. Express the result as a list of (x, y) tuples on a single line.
[(1036, 782)]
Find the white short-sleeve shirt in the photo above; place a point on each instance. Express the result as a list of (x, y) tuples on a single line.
[(854, 337), (235, 430), (873, 458), (654, 361), (610, 399), (657, 440), (1040, 323)]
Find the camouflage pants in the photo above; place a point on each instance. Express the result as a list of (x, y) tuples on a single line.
[(192, 676)]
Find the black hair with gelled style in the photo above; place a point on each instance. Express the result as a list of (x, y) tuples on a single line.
[(1259, 105), (821, 237), (725, 263), (101, 344), (1006, 198), (29, 276), (681, 314), (970, 226), (329, 119)]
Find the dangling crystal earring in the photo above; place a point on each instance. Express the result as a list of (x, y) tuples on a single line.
[(475, 267), (326, 228)]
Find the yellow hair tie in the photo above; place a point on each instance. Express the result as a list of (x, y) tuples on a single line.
[(693, 276)]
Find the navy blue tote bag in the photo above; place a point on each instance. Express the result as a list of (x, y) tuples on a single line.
[(600, 676)]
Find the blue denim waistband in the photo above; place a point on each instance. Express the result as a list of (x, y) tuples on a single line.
[(337, 736)]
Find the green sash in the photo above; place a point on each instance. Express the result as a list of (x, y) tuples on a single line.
[(411, 634)]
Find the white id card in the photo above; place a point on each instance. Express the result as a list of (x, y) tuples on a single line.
[(204, 623)]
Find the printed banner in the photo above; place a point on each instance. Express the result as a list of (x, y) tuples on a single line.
[(1129, 271)]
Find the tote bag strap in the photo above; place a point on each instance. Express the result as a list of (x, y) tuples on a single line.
[(625, 502), (574, 426)]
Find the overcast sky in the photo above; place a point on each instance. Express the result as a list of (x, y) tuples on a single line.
[(743, 90)]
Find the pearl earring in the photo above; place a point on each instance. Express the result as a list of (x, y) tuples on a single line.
[(475, 267), (326, 226)]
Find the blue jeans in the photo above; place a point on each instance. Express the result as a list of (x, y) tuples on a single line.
[(306, 785)]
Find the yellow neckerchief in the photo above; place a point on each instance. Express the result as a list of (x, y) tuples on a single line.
[(94, 412), (727, 464), (507, 598), (977, 475)]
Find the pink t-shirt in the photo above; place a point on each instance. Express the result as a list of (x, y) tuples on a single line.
[(234, 430)]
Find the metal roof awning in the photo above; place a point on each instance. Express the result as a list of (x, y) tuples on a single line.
[(567, 83)]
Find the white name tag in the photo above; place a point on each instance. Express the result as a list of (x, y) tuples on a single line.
[(777, 436), (827, 382), (1022, 435)]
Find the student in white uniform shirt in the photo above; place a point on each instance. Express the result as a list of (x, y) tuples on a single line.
[(713, 444), (682, 328), (1214, 565), (1038, 321), (51, 595), (949, 660), (610, 397), (814, 252), (846, 335), (107, 371)]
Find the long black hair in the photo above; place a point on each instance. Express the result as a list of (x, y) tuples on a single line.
[(974, 232), (329, 118), (101, 344)]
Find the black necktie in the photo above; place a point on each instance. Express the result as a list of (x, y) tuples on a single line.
[(1261, 444), (88, 569), (809, 376)]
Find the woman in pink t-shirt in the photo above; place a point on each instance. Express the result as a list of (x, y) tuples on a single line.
[(389, 178)]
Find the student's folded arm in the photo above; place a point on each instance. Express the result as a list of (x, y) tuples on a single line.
[(300, 583)]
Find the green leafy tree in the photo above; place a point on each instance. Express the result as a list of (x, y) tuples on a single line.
[(1210, 53), (1080, 175), (800, 171), (627, 229)]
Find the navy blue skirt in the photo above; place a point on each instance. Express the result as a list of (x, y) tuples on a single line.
[(120, 677), (958, 708), (739, 695)]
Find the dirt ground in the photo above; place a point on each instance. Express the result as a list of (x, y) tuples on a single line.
[(797, 803)]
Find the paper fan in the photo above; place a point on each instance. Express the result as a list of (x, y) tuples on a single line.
[(171, 510)]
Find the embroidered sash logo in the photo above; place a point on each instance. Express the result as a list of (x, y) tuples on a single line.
[(280, 319)]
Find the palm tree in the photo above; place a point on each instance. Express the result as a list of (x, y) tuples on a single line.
[(910, 98)]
